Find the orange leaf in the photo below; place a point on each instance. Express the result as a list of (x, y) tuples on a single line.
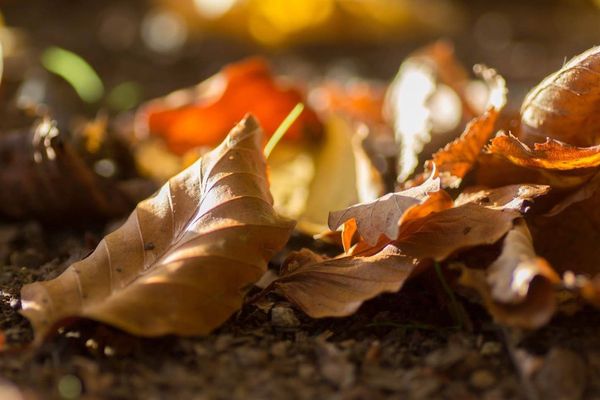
[(382, 216), (551, 155), (206, 113), (458, 157)]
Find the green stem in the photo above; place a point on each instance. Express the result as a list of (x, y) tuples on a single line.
[(283, 128)]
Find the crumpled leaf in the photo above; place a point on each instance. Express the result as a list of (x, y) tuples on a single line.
[(458, 157), (564, 106), (441, 234), (382, 216), (182, 261), (513, 197), (202, 116), (337, 287), (43, 176), (511, 275), (517, 288), (550, 155)]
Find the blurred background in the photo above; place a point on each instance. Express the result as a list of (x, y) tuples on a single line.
[(141, 49)]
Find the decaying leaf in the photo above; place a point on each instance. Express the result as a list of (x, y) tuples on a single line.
[(441, 234), (565, 105), (182, 261), (458, 157), (42, 176), (518, 288), (382, 216), (337, 287), (550, 155), (203, 115), (513, 197)]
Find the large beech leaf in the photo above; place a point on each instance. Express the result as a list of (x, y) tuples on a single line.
[(182, 261), (517, 289), (565, 105), (337, 287)]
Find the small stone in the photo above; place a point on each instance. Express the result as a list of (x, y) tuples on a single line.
[(306, 371), (482, 379), (446, 357), (279, 349), (29, 258), (562, 376), (491, 348), (223, 342), (284, 317), (335, 366), (249, 357)]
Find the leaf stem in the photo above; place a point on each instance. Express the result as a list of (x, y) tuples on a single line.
[(283, 128)]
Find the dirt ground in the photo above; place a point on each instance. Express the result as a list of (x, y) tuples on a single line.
[(402, 346), (398, 346)]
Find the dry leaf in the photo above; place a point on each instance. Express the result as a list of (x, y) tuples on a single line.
[(493, 170), (202, 116), (382, 216), (337, 287), (441, 234), (589, 189), (568, 236), (550, 155), (513, 197), (517, 288), (182, 261), (565, 105), (458, 157), (42, 176), (482, 219)]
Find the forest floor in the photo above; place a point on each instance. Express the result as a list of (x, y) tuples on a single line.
[(403, 346)]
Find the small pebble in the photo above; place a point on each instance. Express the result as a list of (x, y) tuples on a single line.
[(491, 348), (284, 317), (482, 379)]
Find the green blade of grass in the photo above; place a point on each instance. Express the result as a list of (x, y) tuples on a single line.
[(76, 71), (283, 128)]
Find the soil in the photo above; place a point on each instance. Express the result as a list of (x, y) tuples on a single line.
[(402, 346)]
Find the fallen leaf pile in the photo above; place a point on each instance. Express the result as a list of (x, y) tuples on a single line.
[(528, 197)]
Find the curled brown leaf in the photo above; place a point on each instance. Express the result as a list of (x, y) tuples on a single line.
[(382, 216), (517, 288), (564, 106), (550, 155)]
